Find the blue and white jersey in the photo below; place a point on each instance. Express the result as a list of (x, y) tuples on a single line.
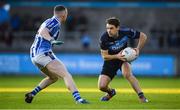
[(42, 45)]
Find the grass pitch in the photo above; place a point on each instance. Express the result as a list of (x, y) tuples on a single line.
[(163, 93)]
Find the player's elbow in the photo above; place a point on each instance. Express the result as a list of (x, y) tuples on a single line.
[(105, 57), (143, 36), (42, 31)]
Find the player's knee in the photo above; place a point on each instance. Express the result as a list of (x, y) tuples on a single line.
[(53, 79), (67, 75), (127, 75)]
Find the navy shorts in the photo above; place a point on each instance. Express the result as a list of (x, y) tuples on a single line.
[(111, 67)]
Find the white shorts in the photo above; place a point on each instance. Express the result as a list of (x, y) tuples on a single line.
[(43, 59)]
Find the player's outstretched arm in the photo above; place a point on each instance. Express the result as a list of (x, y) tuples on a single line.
[(45, 34), (56, 42)]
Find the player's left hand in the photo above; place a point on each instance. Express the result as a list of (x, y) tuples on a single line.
[(56, 42), (121, 57), (137, 51)]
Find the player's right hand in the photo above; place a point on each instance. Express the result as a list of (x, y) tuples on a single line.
[(121, 57), (137, 51), (56, 42)]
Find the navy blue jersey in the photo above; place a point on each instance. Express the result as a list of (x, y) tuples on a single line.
[(115, 45)]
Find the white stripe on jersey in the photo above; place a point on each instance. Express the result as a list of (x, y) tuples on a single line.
[(36, 45), (53, 27), (42, 45), (37, 51)]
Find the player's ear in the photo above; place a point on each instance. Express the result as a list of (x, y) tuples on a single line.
[(118, 27), (63, 16)]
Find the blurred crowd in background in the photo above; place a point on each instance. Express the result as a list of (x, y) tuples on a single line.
[(83, 27)]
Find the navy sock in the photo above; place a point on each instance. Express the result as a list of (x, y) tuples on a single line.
[(110, 91), (36, 90), (141, 95), (76, 95)]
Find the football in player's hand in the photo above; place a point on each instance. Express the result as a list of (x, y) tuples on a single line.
[(129, 54)]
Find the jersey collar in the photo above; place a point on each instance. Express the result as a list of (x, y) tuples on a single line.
[(57, 19)]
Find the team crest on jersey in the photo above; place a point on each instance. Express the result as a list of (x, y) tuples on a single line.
[(118, 44)]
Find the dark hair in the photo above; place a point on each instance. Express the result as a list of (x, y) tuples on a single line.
[(59, 8), (113, 21)]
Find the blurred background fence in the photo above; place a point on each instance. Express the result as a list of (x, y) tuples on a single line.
[(160, 20)]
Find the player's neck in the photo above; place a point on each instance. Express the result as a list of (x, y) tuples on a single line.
[(116, 36), (59, 19)]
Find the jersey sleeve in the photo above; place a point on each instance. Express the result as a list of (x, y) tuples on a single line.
[(51, 24), (132, 34), (102, 43)]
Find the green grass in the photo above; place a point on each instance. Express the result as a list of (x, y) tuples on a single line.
[(47, 100)]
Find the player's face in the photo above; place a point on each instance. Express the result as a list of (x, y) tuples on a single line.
[(112, 30), (63, 15)]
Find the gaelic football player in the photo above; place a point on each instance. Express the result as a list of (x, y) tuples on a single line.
[(112, 42), (43, 57)]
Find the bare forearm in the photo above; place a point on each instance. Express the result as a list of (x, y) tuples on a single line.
[(107, 56), (142, 41), (110, 57), (45, 34)]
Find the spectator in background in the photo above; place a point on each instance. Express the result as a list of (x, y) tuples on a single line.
[(76, 22), (15, 22), (71, 22), (178, 34), (166, 36), (82, 27), (158, 32), (85, 40), (27, 26), (4, 12), (82, 23), (172, 39), (71, 25), (5, 28)]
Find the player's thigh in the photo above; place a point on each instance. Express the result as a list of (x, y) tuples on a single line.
[(103, 81), (49, 74), (126, 69), (57, 67), (110, 68)]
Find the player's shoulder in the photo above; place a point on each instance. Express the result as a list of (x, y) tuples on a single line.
[(104, 36), (125, 29), (52, 20)]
